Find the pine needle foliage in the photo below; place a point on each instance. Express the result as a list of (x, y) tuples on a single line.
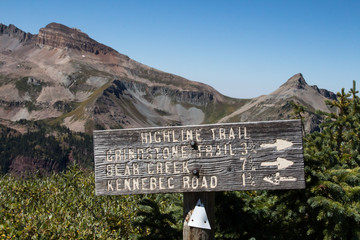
[(333, 171), (329, 207), (158, 217)]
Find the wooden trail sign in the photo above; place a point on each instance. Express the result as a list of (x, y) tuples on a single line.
[(202, 158)]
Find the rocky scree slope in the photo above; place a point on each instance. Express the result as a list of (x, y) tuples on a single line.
[(63, 75), (277, 105)]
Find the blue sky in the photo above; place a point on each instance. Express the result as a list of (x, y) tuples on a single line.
[(241, 48)]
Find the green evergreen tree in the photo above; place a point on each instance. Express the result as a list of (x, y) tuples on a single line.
[(154, 222), (298, 113), (329, 207)]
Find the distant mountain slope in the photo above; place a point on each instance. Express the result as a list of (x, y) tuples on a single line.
[(63, 75), (277, 105)]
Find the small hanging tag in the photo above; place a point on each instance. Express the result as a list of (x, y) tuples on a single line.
[(199, 217)]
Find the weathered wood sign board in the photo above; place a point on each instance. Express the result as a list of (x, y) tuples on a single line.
[(214, 157)]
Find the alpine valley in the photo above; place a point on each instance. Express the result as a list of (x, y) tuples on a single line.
[(59, 85), (64, 76)]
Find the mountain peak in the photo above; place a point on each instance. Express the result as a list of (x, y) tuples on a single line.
[(297, 81), (60, 36), (65, 29), (13, 31)]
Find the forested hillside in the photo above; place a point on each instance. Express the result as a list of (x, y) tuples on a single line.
[(63, 205), (42, 148)]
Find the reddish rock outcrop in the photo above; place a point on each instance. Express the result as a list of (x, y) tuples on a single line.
[(60, 36), (97, 87)]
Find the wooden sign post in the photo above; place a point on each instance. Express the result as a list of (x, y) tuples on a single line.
[(202, 158)]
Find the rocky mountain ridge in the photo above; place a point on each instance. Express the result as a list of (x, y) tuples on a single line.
[(64, 76), (60, 36), (62, 73), (277, 105), (13, 31)]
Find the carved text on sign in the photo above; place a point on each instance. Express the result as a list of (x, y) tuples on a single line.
[(239, 156)]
